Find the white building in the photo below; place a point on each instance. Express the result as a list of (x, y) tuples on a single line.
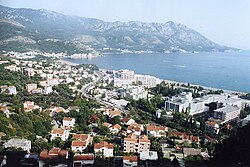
[(29, 72), (127, 120), (30, 106), (104, 149), (123, 78), (68, 122), (53, 81), (146, 80), (48, 89), (179, 103), (83, 159), (148, 155), (245, 121), (130, 161), (78, 146), (24, 144), (30, 87), (185, 103), (59, 133), (134, 92), (212, 126), (10, 90), (125, 75), (156, 130), (227, 113)]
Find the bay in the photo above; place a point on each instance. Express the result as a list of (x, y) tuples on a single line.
[(229, 71)]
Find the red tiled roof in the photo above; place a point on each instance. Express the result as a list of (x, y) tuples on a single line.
[(155, 128), (106, 124), (67, 119), (103, 144), (130, 158), (84, 157), (59, 131), (77, 143), (82, 137), (126, 119)]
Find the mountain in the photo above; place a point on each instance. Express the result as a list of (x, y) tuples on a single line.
[(24, 29)]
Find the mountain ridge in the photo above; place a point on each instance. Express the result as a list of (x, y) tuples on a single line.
[(81, 34)]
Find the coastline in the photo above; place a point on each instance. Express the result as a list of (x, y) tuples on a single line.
[(67, 62), (60, 60)]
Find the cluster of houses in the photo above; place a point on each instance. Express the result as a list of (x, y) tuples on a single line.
[(135, 138)]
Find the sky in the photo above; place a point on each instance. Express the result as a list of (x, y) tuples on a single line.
[(226, 22)]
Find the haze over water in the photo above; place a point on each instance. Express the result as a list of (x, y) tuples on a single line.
[(229, 71)]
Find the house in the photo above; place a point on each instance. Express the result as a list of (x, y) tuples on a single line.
[(24, 144), (83, 137), (156, 130), (10, 90), (158, 113), (30, 106), (167, 152), (104, 149), (212, 127), (55, 155), (135, 129), (59, 133), (115, 129), (127, 120), (183, 136), (106, 124), (29, 72), (83, 159), (112, 112), (53, 81), (54, 110), (30, 87), (130, 161), (132, 143), (78, 146), (12, 67), (47, 89), (148, 155), (68, 122), (6, 110), (191, 151)]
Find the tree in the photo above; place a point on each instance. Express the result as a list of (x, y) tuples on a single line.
[(117, 120)]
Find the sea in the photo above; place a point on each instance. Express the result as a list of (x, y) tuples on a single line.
[(228, 71)]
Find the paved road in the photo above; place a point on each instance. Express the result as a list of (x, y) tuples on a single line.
[(89, 86)]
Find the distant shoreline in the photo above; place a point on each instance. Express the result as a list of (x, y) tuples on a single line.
[(166, 80)]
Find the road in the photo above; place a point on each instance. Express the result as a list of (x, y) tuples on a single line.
[(86, 88)]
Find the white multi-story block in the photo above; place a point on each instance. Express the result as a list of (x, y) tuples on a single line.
[(227, 113), (134, 92)]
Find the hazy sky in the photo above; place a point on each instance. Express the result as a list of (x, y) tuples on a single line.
[(226, 22)]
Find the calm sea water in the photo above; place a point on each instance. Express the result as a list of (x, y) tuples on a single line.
[(230, 71)]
